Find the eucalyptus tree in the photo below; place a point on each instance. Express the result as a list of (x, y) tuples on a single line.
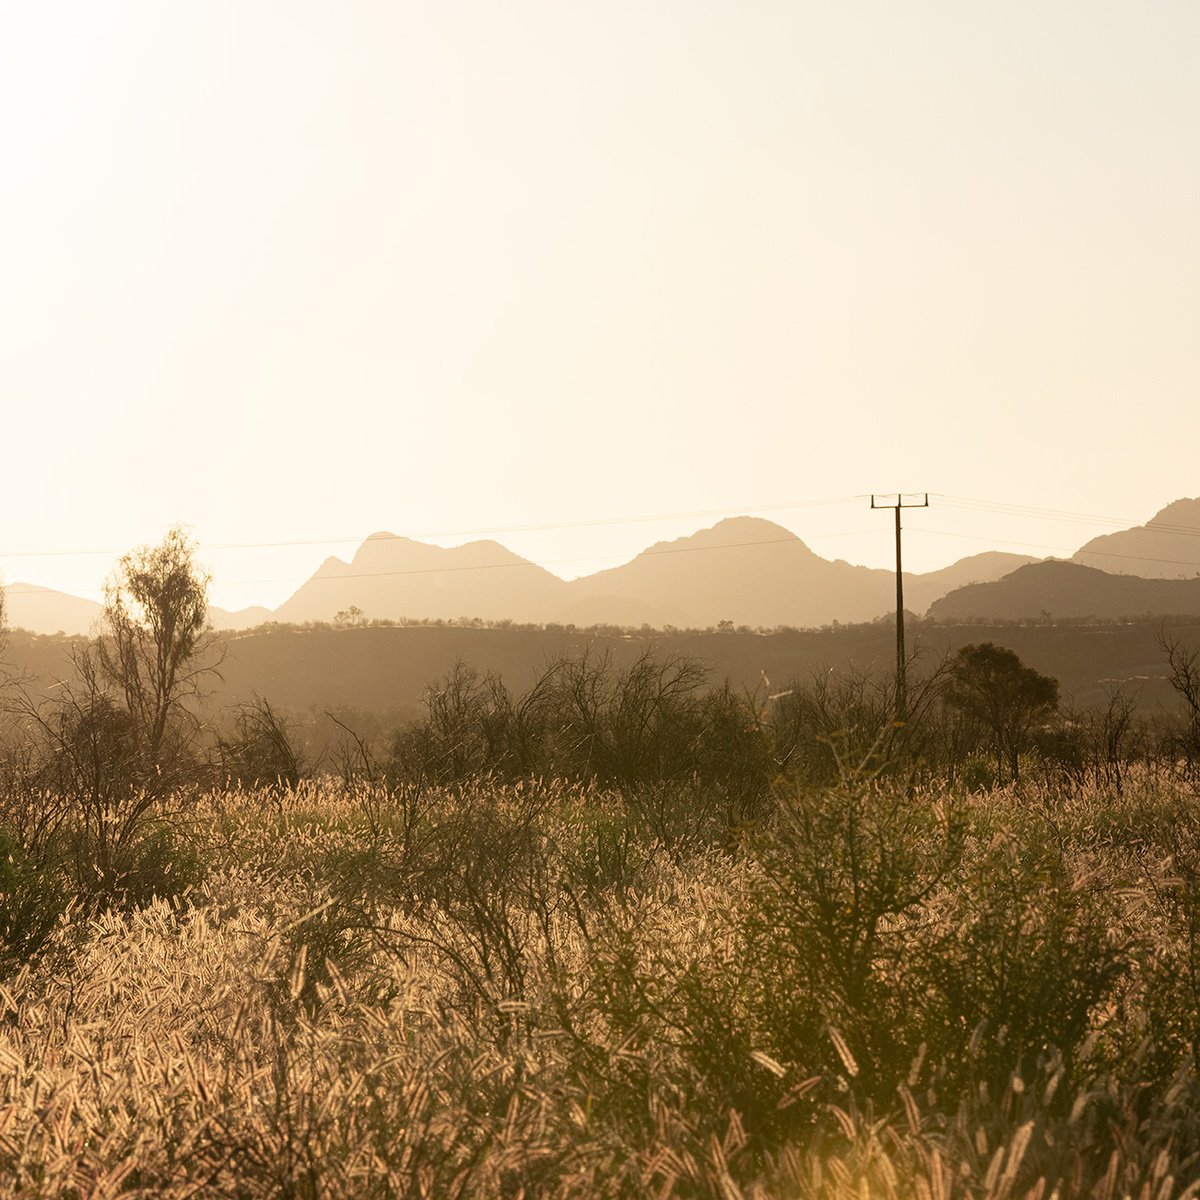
[(154, 638)]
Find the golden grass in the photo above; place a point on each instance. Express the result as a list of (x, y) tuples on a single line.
[(215, 1046)]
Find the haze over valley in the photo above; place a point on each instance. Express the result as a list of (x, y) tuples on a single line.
[(1092, 629), (745, 570)]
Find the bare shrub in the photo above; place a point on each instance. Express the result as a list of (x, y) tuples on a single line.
[(260, 749)]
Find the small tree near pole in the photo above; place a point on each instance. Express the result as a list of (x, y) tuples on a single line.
[(991, 686)]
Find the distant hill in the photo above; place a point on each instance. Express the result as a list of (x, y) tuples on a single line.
[(746, 570), (754, 572), (920, 591), (1166, 547), (243, 618), (43, 610), (606, 609), (391, 577), (1067, 591)]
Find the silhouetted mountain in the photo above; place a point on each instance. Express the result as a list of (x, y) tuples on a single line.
[(43, 610), (243, 618), (1166, 547), (746, 570), (392, 577), (920, 591), (754, 572), (1067, 590)]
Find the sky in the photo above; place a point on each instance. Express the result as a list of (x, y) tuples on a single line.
[(581, 276)]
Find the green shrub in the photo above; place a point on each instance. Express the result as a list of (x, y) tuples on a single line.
[(1023, 953), (32, 899), (840, 873)]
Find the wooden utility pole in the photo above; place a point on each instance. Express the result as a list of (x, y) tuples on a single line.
[(901, 501)]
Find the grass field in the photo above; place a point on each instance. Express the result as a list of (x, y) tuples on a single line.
[(543, 990)]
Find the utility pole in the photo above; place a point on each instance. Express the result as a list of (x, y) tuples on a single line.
[(902, 501)]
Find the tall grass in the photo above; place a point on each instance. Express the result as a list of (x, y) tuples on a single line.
[(525, 989)]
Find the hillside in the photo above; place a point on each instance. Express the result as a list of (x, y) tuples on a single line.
[(1069, 591), (754, 572), (243, 618), (920, 591), (44, 610), (392, 577), (389, 668), (747, 570), (1166, 547)]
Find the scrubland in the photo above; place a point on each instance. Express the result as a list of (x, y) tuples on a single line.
[(868, 986)]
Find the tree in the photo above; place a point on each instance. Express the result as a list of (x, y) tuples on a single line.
[(153, 632), (1183, 665), (991, 686)]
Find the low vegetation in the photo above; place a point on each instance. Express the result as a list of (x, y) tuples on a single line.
[(530, 990), (625, 934)]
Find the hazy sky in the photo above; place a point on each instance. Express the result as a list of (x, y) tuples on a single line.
[(288, 271)]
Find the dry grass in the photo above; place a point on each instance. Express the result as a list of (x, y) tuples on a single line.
[(339, 1010)]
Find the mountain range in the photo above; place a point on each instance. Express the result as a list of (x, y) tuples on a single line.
[(743, 570)]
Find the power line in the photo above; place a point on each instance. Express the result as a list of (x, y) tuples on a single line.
[(451, 533), (973, 537), (1120, 524), (523, 562), (966, 503), (29, 590)]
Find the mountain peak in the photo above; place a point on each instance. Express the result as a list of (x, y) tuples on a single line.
[(753, 525), (1166, 547), (729, 532), (1185, 512), (397, 577)]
